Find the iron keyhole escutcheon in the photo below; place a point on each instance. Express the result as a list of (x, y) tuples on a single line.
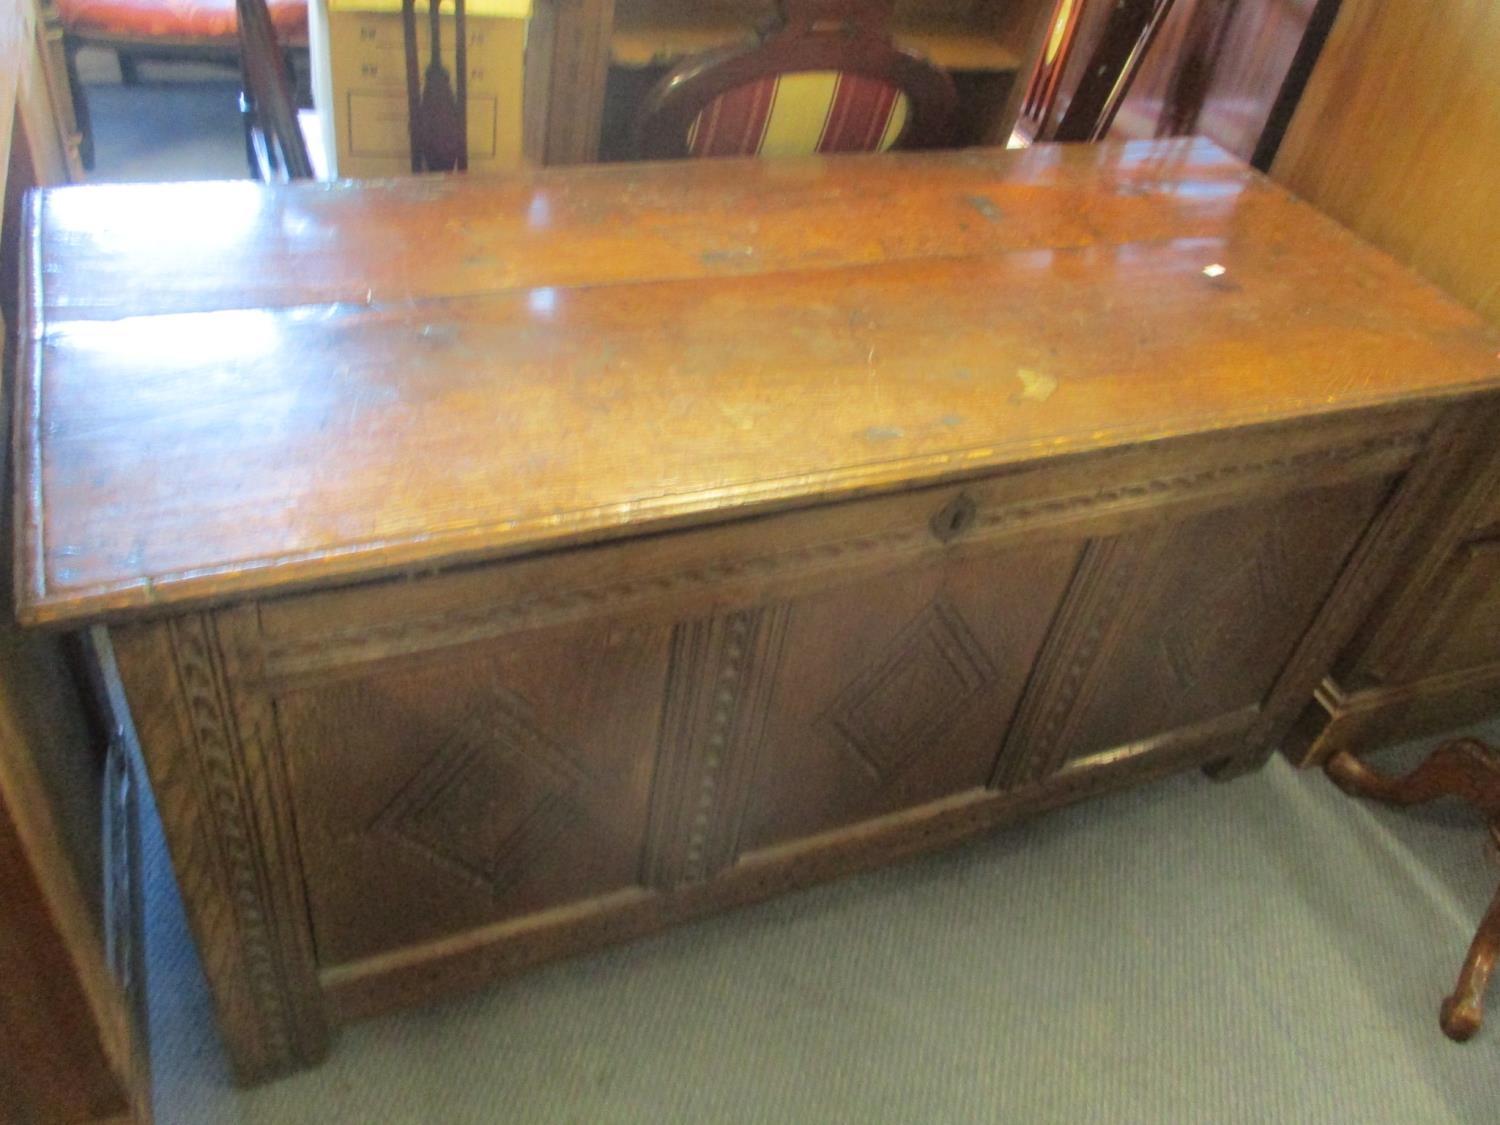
[(954, 518)]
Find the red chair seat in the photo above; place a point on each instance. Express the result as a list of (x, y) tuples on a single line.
[(176, 21), (797, 114)]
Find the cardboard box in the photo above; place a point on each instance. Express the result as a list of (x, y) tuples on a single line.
[(359, 81)]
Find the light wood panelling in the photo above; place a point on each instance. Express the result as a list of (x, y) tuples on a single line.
[(1397, 137)]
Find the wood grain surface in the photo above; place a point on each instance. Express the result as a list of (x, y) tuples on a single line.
[(1402, 150), (993, 480), (338, 380)]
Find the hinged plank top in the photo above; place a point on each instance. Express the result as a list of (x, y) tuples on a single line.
[(228, 389)]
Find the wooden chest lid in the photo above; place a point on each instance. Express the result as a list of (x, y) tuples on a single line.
[(229, 390)]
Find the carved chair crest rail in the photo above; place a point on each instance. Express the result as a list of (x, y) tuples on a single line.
[(727, 102)]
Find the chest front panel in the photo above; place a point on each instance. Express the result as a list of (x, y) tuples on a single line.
[(493, 780), (544, 741)]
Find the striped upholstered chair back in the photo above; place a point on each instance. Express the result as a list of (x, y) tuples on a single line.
[(825, 77)]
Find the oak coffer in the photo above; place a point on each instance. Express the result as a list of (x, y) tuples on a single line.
[(498, 568)]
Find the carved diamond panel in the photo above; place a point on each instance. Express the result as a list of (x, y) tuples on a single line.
[(902, 701), (497, 792), (1248, 593)]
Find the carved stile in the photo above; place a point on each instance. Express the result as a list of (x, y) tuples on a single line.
[(718, 692), (224, 810), (1077, 647)]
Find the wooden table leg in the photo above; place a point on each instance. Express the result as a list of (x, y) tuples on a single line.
[(1463, 1011), (1470, 770)]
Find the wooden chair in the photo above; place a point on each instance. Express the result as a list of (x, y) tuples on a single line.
[(1469, 770), (137, 30), (824, 77), (274, 140), (437, 105)]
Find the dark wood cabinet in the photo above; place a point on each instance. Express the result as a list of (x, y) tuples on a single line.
[(1395, 139)]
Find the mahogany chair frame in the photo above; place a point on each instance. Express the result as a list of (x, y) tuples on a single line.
[(1468, 769), (848, 36), (273, 138), (439, 140), (1129, 31)]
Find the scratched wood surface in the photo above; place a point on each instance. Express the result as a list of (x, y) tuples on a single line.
[(229, 389)]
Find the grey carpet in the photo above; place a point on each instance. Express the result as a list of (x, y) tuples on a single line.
[(181, 123), (201, 139), (1265, 950)]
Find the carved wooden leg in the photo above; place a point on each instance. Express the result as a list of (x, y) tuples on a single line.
[(1468, 769), (1463, 767), (1462, 1012)]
